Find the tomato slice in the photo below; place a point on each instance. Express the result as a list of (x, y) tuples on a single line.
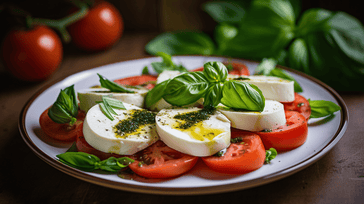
[(238, 68), (289, 136), (241, 157), (57, 131), (138, 80), (161, 161), (300, 104), (83, 146)]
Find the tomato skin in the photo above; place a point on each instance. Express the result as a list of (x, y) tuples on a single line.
[(137, 80), (300, 104), (239, 158), (165, 162), (238, 68), (285, 137), (62, 132), (32, 55), (101, 28)]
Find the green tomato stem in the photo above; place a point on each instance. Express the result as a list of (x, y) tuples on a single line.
[(61, 24)]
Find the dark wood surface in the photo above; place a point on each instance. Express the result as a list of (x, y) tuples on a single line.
[(24, 178)]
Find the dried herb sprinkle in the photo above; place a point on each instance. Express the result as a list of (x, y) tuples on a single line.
[(194, 117), (136, 119)]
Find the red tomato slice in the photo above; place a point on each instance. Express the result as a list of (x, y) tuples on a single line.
[(138, 80), (300, 104), (83, 146), (242, 157), (57, 131), (289, 136), (238, 68), (161, 161)]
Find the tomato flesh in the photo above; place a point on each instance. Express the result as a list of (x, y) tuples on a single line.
[(238, 68), (242, 157), (289, 136), (300, 104), (57, 131), (138, 80), (161, 161)]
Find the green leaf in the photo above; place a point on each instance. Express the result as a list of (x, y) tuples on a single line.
[(65, 108), (181, 43), (156, 94), (113, 164), (222, 34), (213, 95), (242, 95), (114, 103), (79, 160), (313, 20), (215, 72), (107, 104), (70, 91), (224, 12), (112, 86), (166, 64), (186, 88), (298, 55), (321, 108), (145, 71), (106, 111), (269, 155)]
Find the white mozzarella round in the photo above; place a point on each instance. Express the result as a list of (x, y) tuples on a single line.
[(165, 75), (88, 97), (99, 132), (204, 138), (271, 117), (273, 88)]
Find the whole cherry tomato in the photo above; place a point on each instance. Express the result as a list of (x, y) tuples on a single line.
[(32, 55), (99, 29)]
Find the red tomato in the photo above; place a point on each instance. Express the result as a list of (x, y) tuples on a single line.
[(160, 161), (99, 29), (57, 131), (32, 55), (238, 68), (83, 146), (241, 157), (289, 136), (138, 80), (300, 104)]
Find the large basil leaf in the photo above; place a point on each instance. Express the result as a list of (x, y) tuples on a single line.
[(112, 86), (313, 20), (321, 108), (213, 95), (80, 160), (156, 94), (224, 12), (186, 88), (298, 55), (181, 43), (215, 72), (223, 33), (242, 95)]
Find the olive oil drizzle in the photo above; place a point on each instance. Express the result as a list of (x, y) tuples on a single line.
[(137, 119)]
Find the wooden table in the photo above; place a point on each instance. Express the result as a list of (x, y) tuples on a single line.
[(24, 178)]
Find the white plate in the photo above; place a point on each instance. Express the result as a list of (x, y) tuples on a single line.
[(322, 135)]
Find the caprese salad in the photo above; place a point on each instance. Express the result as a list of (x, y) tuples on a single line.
[(159, 126)]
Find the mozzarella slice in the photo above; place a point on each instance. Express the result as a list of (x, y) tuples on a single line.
[(271, 117), (204, 138), (273, 88), (99, 131), (165, 75), (88, 97)]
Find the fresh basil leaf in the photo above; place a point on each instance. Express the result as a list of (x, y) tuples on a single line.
[(156, 94), (113, 164), (124, 161), (114, 103), (79, 160), (181, 43), (106, 111), (321, 108), (107, 105), (222, 34), (296, 6), (213, 95), (284, 75), (242, 95), (269, 155), (215, 72), (73, 148), (265, 67), (65, 108), (145, 71), (313, 20), (186, 88), (166, 64), (224, 12), (59, 114), (298, 55), (70, 91), (112, 86)]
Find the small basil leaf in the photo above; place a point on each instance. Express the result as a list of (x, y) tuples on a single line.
[(106, 111), (110, 164), (321, 108), (213, 95), (265, 67), (124, 161), (186, 88), (112, 86), (57, 113), (79, 160), (145, 71), (156, 94), (107, 105), (242, 95), (166, 64), (70, 91), (215, 72), (114, 103), (270, 154)]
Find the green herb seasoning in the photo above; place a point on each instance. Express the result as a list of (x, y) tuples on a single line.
[(137, 119), (236, 140), (241, 78), (192, 118)]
